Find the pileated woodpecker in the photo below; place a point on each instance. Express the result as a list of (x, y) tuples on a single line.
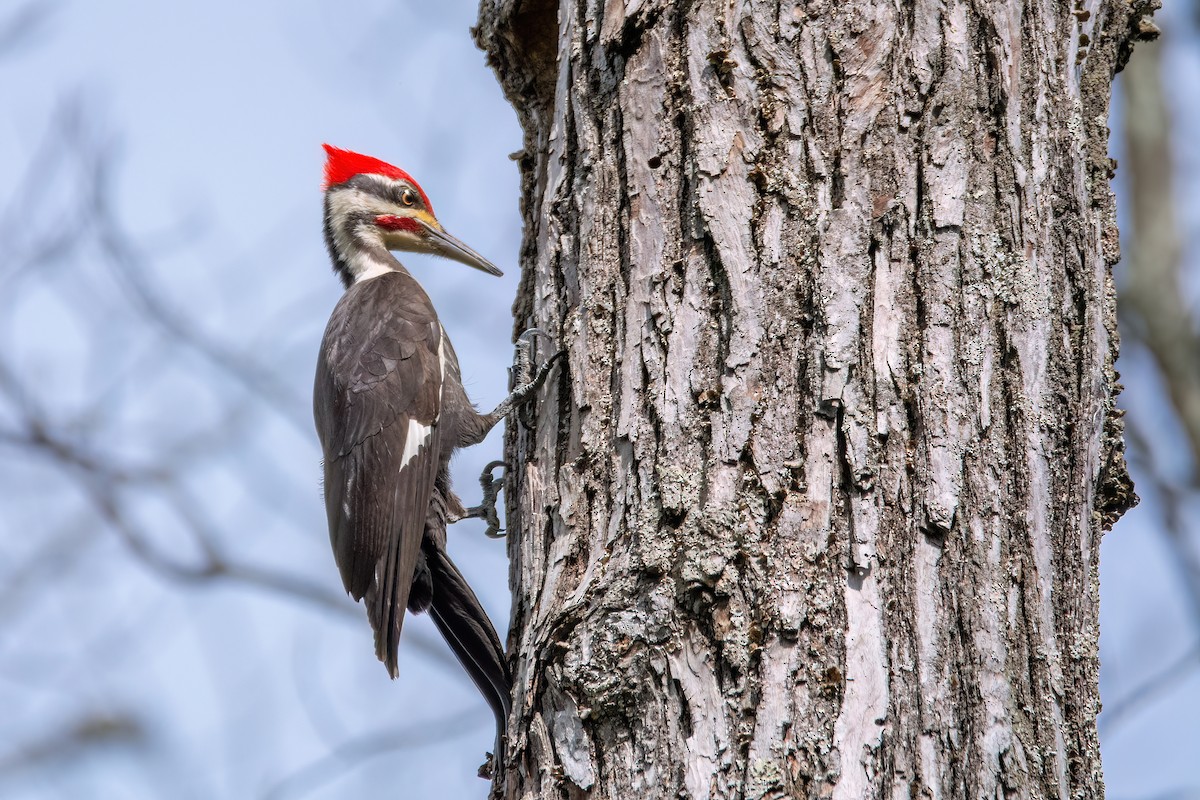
[(390, 410)]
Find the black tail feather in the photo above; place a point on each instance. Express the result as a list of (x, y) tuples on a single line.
[(466, 627)]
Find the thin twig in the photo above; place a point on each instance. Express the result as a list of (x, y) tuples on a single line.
[(1141, 696), (353, 752)]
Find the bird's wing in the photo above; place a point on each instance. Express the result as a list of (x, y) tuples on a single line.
[(377, 400)]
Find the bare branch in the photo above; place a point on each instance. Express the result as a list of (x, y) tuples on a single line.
[(1153, 300), (100, 481), (128, 264), (22, 27), (1175, 521), (83, 734), (1141, 696), (353, 752)]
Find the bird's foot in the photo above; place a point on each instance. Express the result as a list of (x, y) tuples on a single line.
[(526, 380), (486, 510)]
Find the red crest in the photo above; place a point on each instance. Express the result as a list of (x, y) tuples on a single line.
[(342, 165)]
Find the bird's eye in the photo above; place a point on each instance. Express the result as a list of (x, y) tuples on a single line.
[(408, 197)]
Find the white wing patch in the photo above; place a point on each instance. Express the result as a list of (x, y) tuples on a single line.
[(418, 435), (442, 367), (442, 355)]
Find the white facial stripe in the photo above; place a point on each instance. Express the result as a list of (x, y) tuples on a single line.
[(418, 435), (348, 200), (346, 204), (343, 205)]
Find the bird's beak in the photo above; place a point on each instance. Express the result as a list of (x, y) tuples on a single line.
[(443, 244)]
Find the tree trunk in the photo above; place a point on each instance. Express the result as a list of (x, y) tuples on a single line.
[(815, 508)]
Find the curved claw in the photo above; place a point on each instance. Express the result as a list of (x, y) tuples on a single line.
[(526, 343), (530, 332), (525, 370)]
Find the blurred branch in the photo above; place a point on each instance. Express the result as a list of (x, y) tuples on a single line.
[(85, 733), (1157, 318), (129, 265), (1153, 298), (1142, 695), (1171, 505), (58, 551), (32, 241), (100, 479), (23, 26), (353, 752)]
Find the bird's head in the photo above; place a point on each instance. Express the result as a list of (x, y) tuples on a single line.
[(372, 207)]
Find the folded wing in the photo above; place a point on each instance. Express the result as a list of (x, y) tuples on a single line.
[(377, 400)]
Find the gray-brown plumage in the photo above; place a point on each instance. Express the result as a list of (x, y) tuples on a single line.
[(390, 410)]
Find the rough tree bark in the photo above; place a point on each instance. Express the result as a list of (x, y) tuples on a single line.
[(815, 510)]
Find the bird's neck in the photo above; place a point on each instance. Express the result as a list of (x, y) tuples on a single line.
[(358, 251)]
